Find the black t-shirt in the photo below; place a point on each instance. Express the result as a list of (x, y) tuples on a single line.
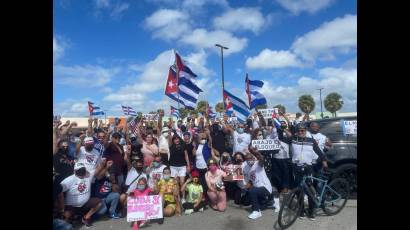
[(218, 140), (102, 188), (177, 156), (63, 166), (189, 148)]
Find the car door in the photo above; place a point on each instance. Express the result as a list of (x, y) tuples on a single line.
[(332, 129)]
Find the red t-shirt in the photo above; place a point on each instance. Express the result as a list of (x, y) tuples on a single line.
[(113, 153)]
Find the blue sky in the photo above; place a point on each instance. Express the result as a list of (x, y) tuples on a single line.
[(115, 52)]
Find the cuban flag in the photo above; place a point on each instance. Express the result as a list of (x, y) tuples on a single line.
[(174, 112), (275, 119), (252, 90), (235, 104), (94, 110), (211, 114), (128, 111), (182, 89)]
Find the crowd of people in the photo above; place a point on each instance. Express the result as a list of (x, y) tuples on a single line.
[(96, 170)]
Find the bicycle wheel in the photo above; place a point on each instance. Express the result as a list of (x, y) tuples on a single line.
[(290, 208), (335, 196)]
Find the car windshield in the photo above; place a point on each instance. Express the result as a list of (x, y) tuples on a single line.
[(333, 130)]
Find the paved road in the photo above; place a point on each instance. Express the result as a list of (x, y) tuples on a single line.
[(235, 218)]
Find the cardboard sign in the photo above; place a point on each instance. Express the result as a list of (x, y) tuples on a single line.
[(144, 208), (266, 144), (267, 113), (350, 127), (150, 117), (233, 172)]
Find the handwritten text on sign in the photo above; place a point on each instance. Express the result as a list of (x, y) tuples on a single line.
[(350, 127), (144, 208), (150, 117), (267, 113), (266, 144)]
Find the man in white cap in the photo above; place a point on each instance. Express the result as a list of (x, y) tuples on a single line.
[(87, 155), (164, 146), (78, 192)]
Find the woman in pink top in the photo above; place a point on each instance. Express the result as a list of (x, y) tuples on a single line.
[(142, 190), (216, 189), (149, 149)]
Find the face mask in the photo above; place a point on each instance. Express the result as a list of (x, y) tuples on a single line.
[(225, 158), (202, 142), (213, 168), (166, 177), (80, 172), (165, 134), (239, 161), (239, 130), (250, 163), (155, 164), (89, 148), (314, 132), (284, 127), (260, 137), (139, 169), (141, 187)]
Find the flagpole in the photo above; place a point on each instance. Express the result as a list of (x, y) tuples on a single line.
[(176, 66)]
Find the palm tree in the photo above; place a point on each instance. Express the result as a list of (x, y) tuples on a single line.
[(201, 107), (219, 107), (261, 106), (333, 103), (183, 112), (281, 108), (306, 103)]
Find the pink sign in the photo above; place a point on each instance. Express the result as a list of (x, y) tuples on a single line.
[(144, 208)]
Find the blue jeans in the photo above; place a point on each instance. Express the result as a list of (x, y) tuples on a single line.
[(111, 200), (258, 197), (59, 224)]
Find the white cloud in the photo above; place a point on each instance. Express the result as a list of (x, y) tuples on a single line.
[(87, 76), (340, 80), (310, 6), (241, 19), (167, 24), (269, 59), (100, 4), (197, 63), (196, 4), (201, 38), (337, 36), (71, 107), (118, 10), (58, 49)]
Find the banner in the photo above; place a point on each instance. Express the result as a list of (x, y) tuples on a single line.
[(233, 172), (150, 117), (144, 208), (350, 127), (266, 144), (267, 113)]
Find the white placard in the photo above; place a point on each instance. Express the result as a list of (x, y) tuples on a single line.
[(267, 113), (350, 127), (266, 144), (144, 208), (150, 117)]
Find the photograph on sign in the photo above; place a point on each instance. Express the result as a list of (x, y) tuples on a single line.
[(144, 208), (233, 172), (266, 144)]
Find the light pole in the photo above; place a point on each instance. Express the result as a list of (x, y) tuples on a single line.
[(321, 109), (223, 84)]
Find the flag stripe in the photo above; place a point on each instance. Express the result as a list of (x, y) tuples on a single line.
[(189, 84)]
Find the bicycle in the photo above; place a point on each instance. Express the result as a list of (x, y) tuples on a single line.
[(337, 191)]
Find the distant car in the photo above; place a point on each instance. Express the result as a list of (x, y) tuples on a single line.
[(342, 158)]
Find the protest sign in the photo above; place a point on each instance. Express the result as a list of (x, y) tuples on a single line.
[(266, 144), (267, 113), (150, 117), (144, 208), (349, 127), (233, 172)]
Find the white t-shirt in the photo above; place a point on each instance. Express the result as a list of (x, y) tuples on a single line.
[(155, 174), (131, 175), (200, 160), (89, 159), (78, 190), (320, 139), (241, 141), (257, 175)]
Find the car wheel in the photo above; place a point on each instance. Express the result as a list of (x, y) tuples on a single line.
[(348, 172)]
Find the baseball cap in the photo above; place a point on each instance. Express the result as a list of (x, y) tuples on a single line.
[(88, 140), (165, 129), (195, 173), (78, 165), (211, 161)]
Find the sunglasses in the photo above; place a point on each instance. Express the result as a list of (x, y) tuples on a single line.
[(302, 131)]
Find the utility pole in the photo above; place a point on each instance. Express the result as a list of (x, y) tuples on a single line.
[(223, 84), (321, 109)]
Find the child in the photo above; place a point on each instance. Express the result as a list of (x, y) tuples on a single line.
[(142, 190), (194, 189)]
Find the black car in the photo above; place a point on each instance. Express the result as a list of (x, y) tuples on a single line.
[(342, 157)]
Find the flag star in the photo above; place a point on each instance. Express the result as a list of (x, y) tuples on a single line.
[(171, 84)]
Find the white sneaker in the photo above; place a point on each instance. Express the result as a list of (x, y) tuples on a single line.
[(189, 211), (255, 215), (183, 201), (201, 209)]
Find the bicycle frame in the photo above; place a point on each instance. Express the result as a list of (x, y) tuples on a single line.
[(318, 200)]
